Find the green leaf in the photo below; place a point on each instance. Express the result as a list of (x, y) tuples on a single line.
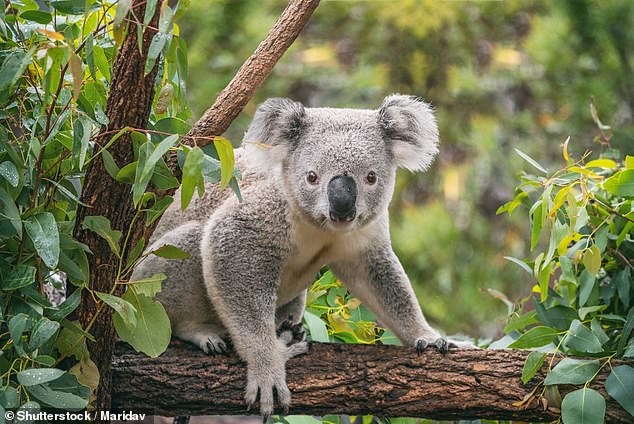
[(592, 260), (157, 210), (572, 371), (101, 225), (127, 173), (162, 178), (68, 306), (171, 252), (530, 160), (583, 406), (160, 149), (74, 7), (90, 56), (150, 8), (227, 161), (125, 310), (9, 397), (123, 7), (581, 339), (9, 211), (535, 337), (156, 46), (621, 183), (34, 376), (521, 264), (191, 175), (316, 328), (42, 229), (534, 362), (111, 166), (149, 286), (587, 284), (136, 252), (37, 16), (64, 393), (558, 316), (152, 333), (81, 138), (14, 64), (520, 322), (42, 333), (620, 385), (10, 173), (623, 286), (627, 330), (141, 180), (537, 222), (17, 326), (102, 62), (20, 276)]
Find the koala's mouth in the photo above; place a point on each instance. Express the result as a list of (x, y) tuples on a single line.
[(341, 225)]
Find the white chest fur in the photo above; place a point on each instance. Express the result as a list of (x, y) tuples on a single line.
[(315, 247)]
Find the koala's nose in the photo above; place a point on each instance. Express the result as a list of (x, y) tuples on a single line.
[(342, 197)]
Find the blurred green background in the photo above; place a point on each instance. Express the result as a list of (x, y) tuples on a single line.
[(500, 74)]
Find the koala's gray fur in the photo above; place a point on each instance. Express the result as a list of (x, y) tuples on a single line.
[(252, 262)]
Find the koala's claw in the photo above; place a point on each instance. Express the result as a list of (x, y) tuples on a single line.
[(291, 333), (440, 343), (215, 346), (265, 390)]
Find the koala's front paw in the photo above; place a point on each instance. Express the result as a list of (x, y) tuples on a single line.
[(440, 343), (264, 381), (291, 333)]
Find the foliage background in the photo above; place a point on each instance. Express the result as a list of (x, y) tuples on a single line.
[(500, 75)]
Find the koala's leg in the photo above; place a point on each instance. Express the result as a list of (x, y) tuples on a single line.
[(378, 279), (183, 294), (242, 284), (289, 320)]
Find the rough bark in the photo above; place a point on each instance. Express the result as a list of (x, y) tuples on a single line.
[(388, 381), (129, 104)]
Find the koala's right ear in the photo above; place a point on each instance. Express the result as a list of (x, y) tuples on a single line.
[(410, 126), (276, 126)]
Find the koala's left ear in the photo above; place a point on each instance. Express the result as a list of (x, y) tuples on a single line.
[(410, 127), (276, 126)]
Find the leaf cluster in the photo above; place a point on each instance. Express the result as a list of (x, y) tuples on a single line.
[(581, 217)]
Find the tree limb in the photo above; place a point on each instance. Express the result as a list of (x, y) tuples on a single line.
[(250, 76), (390, 381)]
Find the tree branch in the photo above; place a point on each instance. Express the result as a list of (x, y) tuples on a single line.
[(343, 379), (250, 76)]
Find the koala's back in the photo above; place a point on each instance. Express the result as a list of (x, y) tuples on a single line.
[(201, 208)]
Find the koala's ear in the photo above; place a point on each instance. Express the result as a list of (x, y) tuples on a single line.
[(409, 125), (276, 126)]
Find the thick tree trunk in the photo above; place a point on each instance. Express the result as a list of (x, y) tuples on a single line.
[(388, 381), (129, 104)]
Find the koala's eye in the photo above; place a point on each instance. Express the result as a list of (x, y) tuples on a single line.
[(371, 177), (312, 178)]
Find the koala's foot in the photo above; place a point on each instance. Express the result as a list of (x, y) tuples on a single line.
[(206, 337), (265, 382), (440, 343), (290, 332)]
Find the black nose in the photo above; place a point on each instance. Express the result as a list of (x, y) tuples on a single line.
[(342, 196)]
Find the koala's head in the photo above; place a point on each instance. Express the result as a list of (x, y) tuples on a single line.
[(337, 166)]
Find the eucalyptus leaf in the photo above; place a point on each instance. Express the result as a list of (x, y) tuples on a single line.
[(620, 386), (42, 229), (583, 406), (572, 371)]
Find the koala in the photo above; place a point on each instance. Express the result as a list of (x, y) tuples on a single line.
[(316, 185)]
